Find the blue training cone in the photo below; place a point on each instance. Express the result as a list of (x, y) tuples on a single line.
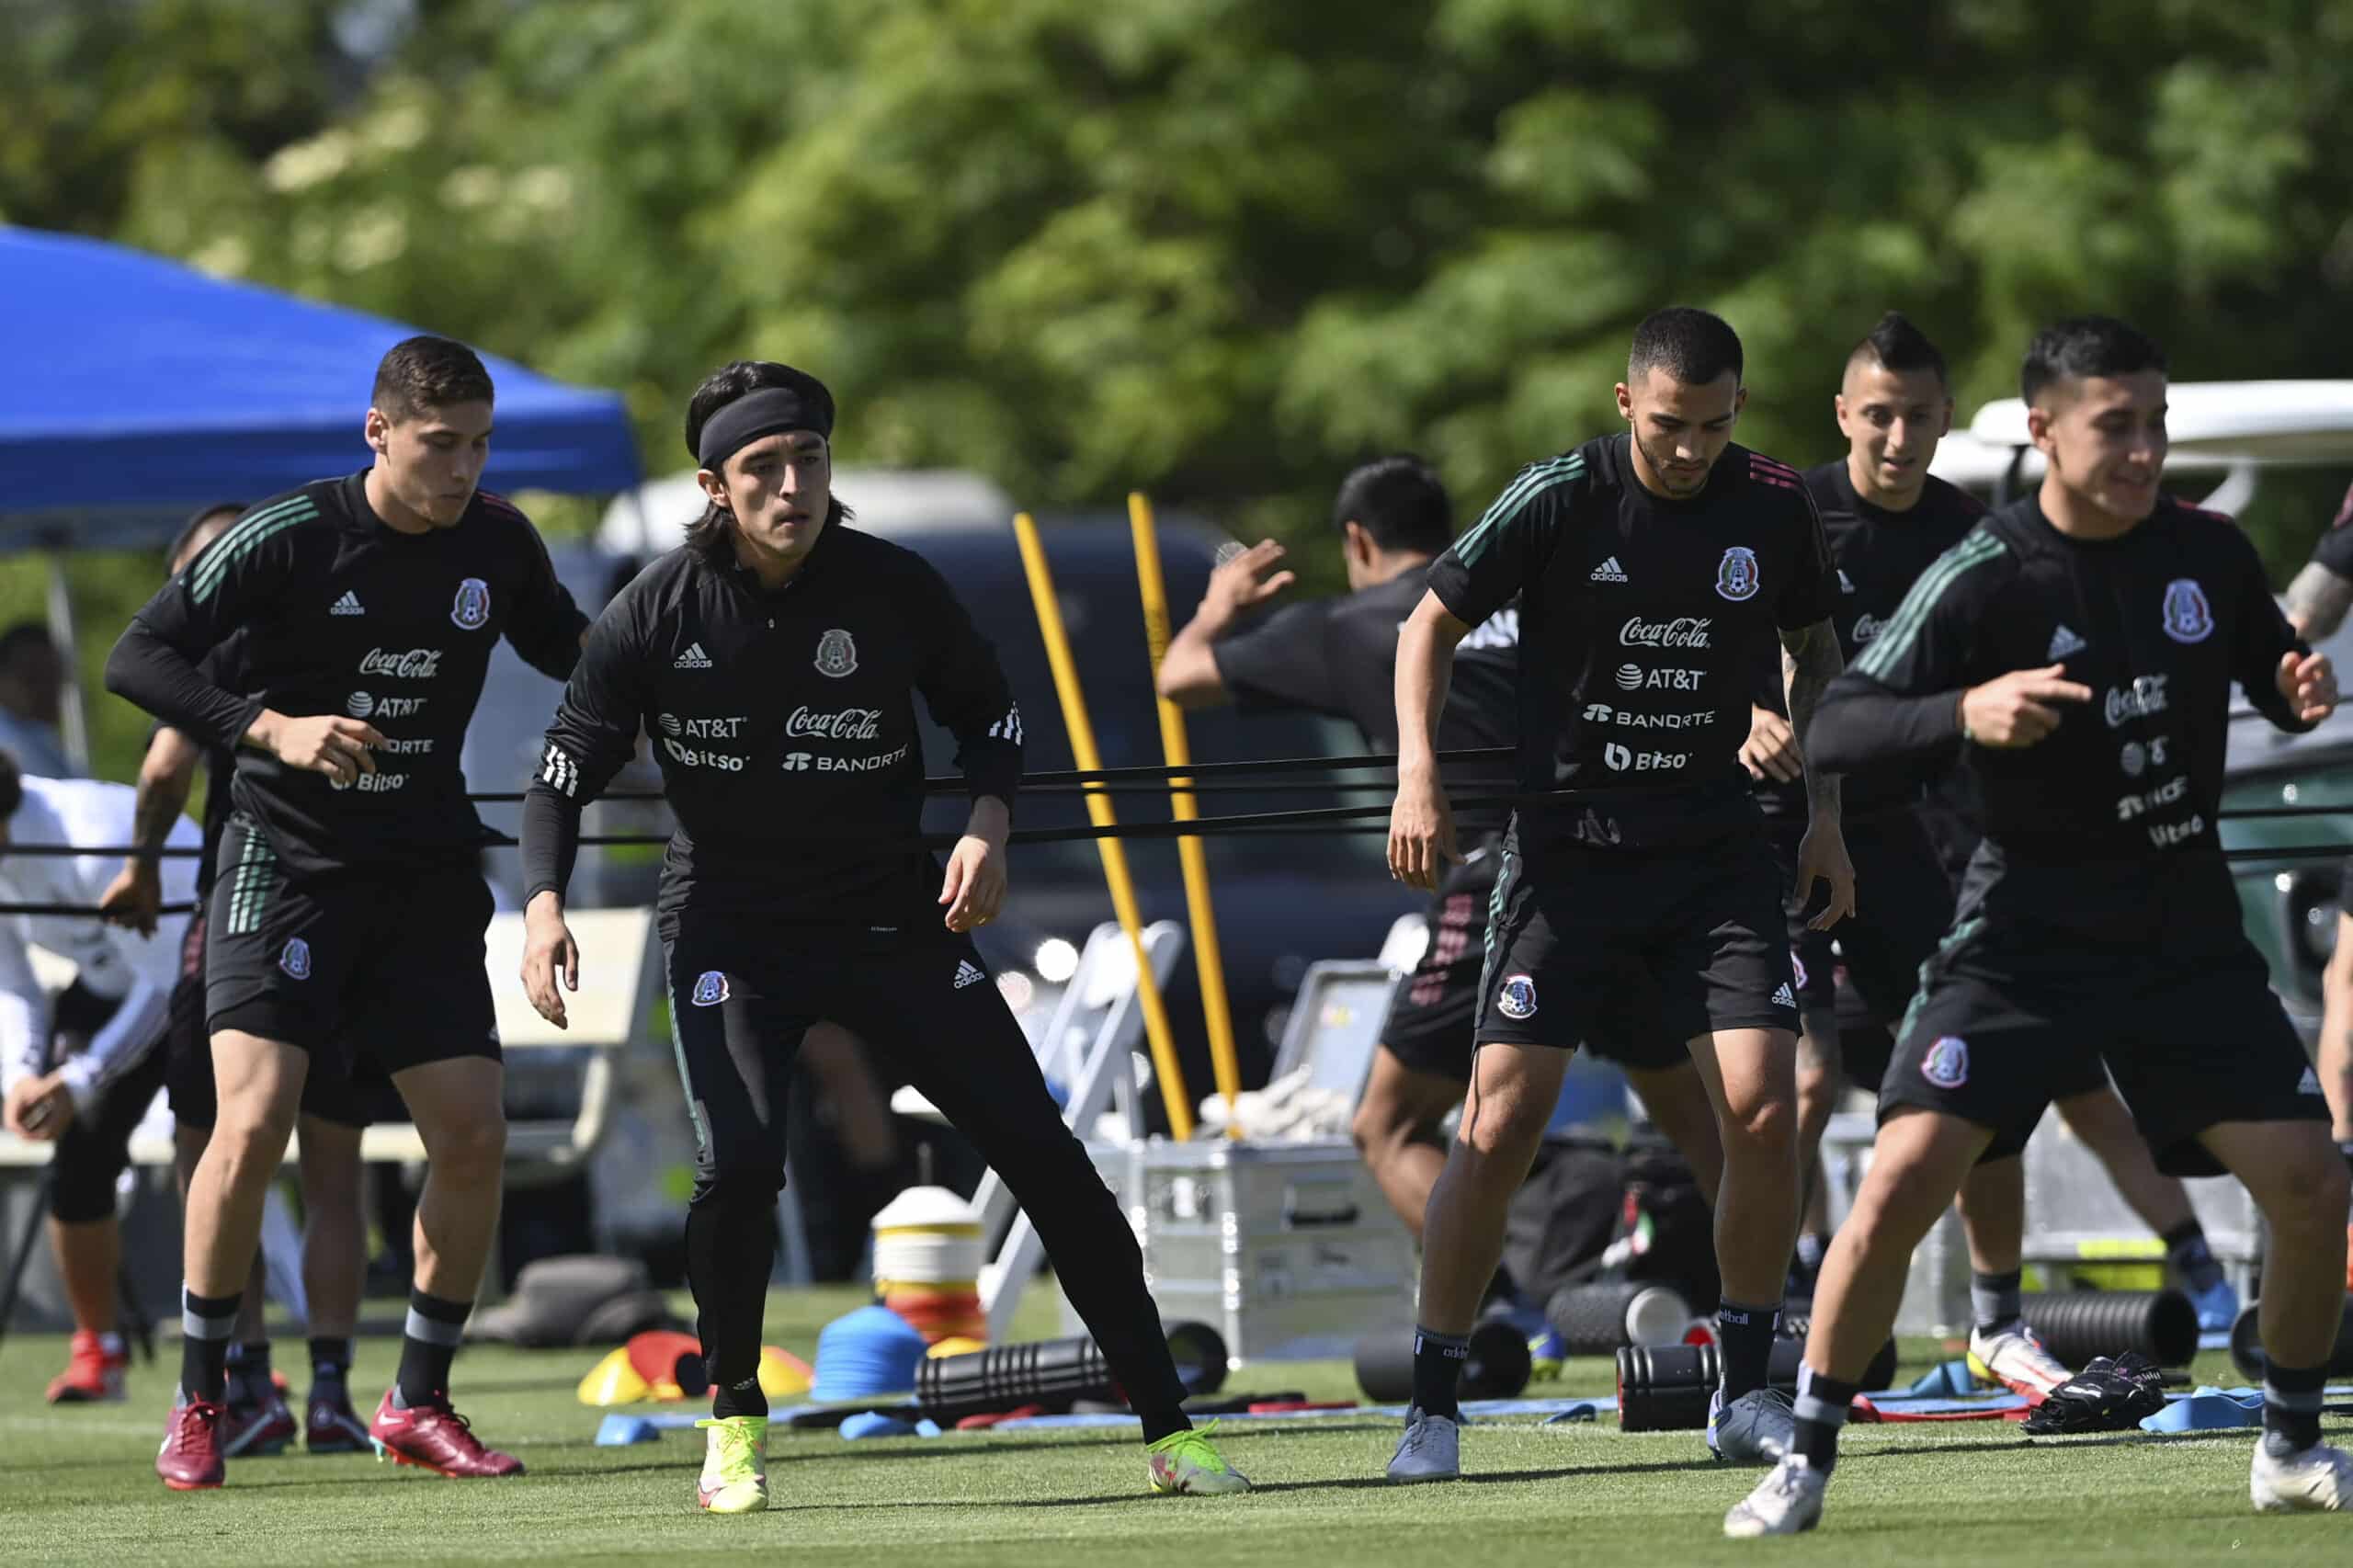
[(1946, 1379), (2207, 1410), (618, 1431)]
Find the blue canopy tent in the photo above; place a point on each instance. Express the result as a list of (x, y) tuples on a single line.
[(139, 388)]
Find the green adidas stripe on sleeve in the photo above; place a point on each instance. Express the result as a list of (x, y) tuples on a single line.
[(1896, 640), (1525, 488), (242, 539)]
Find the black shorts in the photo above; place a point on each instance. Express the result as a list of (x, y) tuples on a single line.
[(382, 965), (2192, 1036), (365, 1097), (1813, 963), (1634, 953), (93, 1150), (1433, 1011)]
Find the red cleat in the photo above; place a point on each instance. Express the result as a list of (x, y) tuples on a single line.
[(331, 1425), (93, 1374), (190, 1458), (259, 1426), (435, 1438)]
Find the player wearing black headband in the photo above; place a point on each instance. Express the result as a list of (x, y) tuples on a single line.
[(774, 658), (348, 913)]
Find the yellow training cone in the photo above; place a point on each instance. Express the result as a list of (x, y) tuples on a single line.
[(614, 1382), (782, 1374), (954, 1345)]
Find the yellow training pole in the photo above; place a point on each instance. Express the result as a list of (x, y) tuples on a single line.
[(1098, 811), (1215, 1011)]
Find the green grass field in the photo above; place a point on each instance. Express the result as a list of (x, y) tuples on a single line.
[(76, 1487)]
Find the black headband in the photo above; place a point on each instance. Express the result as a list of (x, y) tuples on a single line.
[(764, 413)]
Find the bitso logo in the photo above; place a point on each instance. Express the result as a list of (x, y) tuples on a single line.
[(837, 654), (2189, 619), (1617, 756), (1737, 578), (1517, 997), (472, 611), (1947, 1063), (296, 959), (711, 988)]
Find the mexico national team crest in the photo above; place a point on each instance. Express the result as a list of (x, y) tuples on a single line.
[(711, 988), (296, 959), (1736, 574), (1947, 1063), (2189, 619), (1517, 998), (837, 654), (472, 612)]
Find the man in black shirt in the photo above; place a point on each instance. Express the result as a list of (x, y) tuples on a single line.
[(2084, 642), (2317, 600), (775, 656), (1888, 519), (1655, 572), (1339, 656), (348, 916)]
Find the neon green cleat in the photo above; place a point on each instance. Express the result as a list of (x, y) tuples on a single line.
[(735, 1466), (1187, 1463)]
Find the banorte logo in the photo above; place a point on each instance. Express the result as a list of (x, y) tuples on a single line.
[(1683, 631)]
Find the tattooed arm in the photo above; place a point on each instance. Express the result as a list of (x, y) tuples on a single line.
[(2317, 601), (165, 777), (1810, 662)]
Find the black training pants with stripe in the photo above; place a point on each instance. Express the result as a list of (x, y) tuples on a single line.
[(741, 994)]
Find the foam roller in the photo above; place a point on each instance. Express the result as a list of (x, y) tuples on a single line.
[(1665, 1388), (2246, 1345), (2075, 1325), (1497, 1368), (1596, 1319), (1054, 1372)]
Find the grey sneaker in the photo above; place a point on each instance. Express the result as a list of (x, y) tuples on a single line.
[(1787, 1502), (2317, 1480), (1760, 1428), (1430, 1451)]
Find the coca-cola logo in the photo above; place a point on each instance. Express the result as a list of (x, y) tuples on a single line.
[(1683, 631), (414, 664), (844, 724)]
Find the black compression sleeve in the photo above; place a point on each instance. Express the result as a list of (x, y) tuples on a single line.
[(551, 841), (1861, 723), (150, 672)]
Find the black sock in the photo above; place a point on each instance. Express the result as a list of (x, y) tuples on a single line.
[(1159, 1424), (249, 1371), (1822, 1406), (1744, 1345), (2291, 1401), (208, 1325), (428, 1344), (731, 1249), (1993, 1298), (2187, 1250), (330, 1361), (1438, 1371)]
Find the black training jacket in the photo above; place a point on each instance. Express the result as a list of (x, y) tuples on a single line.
[(784, 723)]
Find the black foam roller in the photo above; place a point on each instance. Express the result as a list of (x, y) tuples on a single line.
[(1054, 1372), (1596, 1319), (1665, 1388), (1497, 1368), (2246, 1345), (2075, 1325)]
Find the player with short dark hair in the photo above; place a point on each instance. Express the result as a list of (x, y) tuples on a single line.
[(775, 656), (32, 684), (2082, 643), (347, 920), (1338, 656), (1655, 572)]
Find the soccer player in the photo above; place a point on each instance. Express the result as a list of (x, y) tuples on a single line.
[(347, 920), (1888, 519), (2083, 640), (82, 1072), (1654, 571), (776, 655), (2317, 600), (333, 1111), (1339, 656)]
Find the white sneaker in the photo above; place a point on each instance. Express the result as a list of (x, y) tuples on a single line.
[(2013, 1358), (1431, 1448), (1787, 1502), (2314, 1480), (1760, 1428)]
